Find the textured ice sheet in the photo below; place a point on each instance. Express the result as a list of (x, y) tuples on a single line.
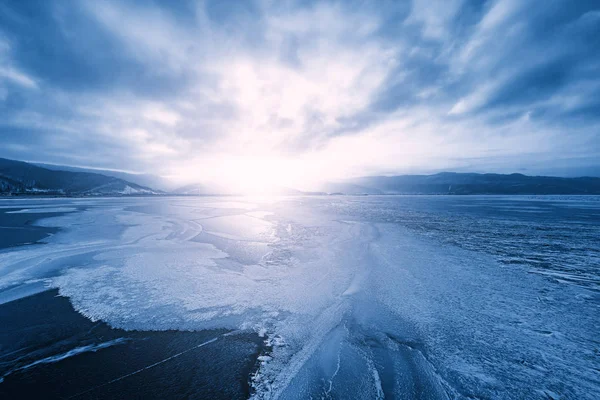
[(353, 302), (239, 227), (39, 210)]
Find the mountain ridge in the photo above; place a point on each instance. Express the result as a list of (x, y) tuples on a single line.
[(22, 178), (19, 177), (476, 183), (146, 180)]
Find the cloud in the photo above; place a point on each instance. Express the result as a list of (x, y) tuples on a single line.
[(435, 17), (10, 74), (326, 88)]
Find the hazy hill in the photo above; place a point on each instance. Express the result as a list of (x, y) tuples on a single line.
[(197, 189), (471, 183), (147, 180), (347, 187), (17, 177), (200, 189)]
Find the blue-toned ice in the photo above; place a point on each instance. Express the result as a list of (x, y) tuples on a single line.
[(379, 297)]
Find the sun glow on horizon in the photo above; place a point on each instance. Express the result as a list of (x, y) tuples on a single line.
[(255, 175)]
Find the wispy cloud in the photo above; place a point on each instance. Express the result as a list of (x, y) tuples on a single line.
[(332, 88)]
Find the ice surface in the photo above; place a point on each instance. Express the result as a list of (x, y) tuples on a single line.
[(239, 227), (71, 353), (38, 210), (356, 297)]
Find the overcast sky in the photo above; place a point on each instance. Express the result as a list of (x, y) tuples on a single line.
[(307, 89)]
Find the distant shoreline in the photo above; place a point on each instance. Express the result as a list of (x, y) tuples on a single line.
[(40, 196)]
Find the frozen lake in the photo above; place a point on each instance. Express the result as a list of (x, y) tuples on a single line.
[(354, 297)]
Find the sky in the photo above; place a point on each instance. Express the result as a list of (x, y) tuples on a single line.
[(294, 92)]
